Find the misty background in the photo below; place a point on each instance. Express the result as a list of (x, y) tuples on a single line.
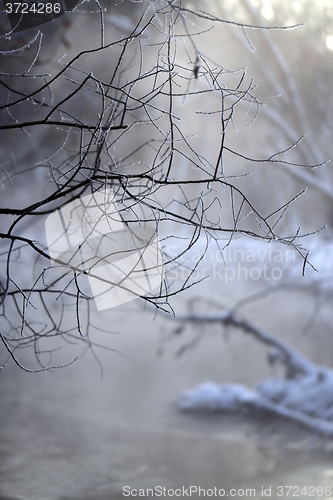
[(83, 431)]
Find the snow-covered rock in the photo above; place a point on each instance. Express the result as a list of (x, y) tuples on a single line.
[(307, 399), (210, 396), (312, 395)]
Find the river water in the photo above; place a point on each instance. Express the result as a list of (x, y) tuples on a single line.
[(68, 434)]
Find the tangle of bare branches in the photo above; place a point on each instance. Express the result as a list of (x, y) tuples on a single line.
[(120, 126)]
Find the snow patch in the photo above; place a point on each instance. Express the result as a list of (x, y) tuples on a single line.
[(210, 396), (307, 399)]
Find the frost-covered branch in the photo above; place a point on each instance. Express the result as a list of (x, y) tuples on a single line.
[(305, 396), (122, 117), (294, 362)]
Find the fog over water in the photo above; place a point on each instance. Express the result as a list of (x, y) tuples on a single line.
[(70, 434)]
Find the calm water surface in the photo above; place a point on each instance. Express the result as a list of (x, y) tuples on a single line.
[(70, 435)]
